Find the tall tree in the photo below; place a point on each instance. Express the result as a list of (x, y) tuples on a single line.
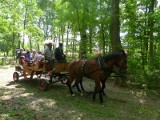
[(151, 25), (115, 34), (115, 26)]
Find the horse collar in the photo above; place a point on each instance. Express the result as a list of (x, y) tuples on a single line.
[(84, 62)]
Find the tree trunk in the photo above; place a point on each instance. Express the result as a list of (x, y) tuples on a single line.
[(13, 44), (102, 31), (30, 43), (103, 38), (115, 35), (83, 46), (90, 39), (151, 25), (68, 30), (115, 26), (24, 27)]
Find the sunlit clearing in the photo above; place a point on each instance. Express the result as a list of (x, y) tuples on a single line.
[(37, 104), (5, 116), (78, 115), (11, 86), (139, 95), (142, 101), (9, 93), (26, 94)]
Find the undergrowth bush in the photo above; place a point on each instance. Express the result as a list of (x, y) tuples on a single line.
[(153, 79), (141, 75)]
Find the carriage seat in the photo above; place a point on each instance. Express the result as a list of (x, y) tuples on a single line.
[(60, 67), (59, 61), (38, 65)]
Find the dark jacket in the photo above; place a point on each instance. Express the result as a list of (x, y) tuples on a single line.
[(59, 55)]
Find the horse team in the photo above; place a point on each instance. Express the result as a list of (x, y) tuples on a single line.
[(98, 69)]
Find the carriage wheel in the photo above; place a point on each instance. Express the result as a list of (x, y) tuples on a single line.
[(43, 84), (15, 76)]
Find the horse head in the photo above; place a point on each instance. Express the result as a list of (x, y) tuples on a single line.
[(120, 66)]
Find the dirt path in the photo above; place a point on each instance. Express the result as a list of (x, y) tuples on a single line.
[(17, 100), (136, 95), (6, 73)]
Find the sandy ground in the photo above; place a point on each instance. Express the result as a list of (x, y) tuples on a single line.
[(136, 95), (6, 75)]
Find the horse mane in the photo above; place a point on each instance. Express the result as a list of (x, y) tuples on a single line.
[(114, 55), (111, 56)]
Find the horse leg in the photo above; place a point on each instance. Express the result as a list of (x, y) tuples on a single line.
[(100, 96), (103, 86), (81, 85), (68, 83), (77, 81), (70, 89), (99, 90), (94, 94)]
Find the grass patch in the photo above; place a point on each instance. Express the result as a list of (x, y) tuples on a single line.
[(26, 102)]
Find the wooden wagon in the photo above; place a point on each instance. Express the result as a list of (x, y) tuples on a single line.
[(44, 73), (58, 74)]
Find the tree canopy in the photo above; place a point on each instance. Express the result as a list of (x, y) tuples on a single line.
[(87, 27)]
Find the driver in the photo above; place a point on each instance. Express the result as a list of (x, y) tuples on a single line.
[(49, 55)]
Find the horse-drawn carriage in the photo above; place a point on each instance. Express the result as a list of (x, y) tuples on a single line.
[(58, 74), (42, 68), (44, 73), (97, 69)]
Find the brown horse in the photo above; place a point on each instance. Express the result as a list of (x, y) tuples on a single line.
[(98, 69)]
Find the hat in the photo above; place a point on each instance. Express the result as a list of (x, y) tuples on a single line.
[(48, 42), (22, 56)]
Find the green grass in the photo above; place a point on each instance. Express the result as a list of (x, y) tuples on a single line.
[(26, 102)]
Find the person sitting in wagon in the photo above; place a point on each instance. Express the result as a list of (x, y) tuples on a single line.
[(59, 55), (19, 55), (49, 55), (39, 57), (34, 54), (29, 57)]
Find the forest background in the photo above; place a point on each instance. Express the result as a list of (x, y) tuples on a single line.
[(86, 27)]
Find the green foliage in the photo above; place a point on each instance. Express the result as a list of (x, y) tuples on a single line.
[(153, 78), (136, 72), (45, 19)]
